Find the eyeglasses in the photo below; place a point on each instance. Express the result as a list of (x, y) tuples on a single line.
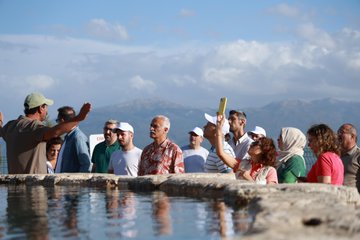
[(341, 132), (109, 129), (255, 143)]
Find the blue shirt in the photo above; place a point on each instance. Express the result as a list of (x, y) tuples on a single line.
[(75, 156)]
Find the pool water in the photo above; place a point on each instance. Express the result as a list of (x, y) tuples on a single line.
[(102, 213)]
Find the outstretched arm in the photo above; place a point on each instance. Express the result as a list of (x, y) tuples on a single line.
[(65, 127), (1, 123), (226, 158)]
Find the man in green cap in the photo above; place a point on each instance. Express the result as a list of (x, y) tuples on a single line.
[(26, 136)]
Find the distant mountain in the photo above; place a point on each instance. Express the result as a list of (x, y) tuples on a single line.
[(272, 117), (302, 114), (289, 113), (139, 114)]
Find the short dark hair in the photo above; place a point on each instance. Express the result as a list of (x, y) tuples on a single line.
[(28, 111), (239, 114), (53, 141), (33, 110), (66, 113)]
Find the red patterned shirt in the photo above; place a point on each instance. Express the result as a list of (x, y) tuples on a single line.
[(161, 159)]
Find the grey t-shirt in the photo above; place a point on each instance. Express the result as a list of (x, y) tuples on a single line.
[(351, 161), (125, 162)]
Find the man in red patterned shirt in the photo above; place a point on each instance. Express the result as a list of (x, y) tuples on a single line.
[(162, 156)]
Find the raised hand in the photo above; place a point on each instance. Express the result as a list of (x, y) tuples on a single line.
[(220, 120), (1, 119), (85, 109)]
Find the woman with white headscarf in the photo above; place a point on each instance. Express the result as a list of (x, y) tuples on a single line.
[(291, 163)]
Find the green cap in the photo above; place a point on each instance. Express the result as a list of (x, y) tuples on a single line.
[(34, 100)]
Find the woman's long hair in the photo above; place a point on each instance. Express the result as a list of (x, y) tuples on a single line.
[(325, 138), (268, 150)]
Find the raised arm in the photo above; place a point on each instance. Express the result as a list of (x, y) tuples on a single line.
[(1, 123), (65, 127), (1, 119), (226, 158)]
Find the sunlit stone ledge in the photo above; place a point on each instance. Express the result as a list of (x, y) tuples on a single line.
[(283, 211)]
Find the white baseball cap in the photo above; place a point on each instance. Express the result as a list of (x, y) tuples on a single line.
[(212, 119), (198, 131), (259, 130), (124, 126)]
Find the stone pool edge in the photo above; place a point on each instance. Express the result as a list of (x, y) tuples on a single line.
[(283, 211)]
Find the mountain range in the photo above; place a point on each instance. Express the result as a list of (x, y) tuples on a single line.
[(272, 117)]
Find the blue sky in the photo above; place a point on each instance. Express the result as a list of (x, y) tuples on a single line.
[(188, 52)]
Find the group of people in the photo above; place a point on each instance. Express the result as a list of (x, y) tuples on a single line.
[(33, 147), (26, 139), (338, 156)]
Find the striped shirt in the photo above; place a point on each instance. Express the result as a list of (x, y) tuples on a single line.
[(214, 164)]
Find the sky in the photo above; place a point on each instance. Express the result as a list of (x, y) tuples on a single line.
[(187, 52)]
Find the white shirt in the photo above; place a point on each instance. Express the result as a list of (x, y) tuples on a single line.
[(241, 146)]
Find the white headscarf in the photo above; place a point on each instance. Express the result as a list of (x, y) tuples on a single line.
[(294, 142)]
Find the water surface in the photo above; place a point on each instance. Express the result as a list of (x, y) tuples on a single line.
[(86, 213)]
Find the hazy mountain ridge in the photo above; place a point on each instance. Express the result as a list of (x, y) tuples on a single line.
[(273, 116), (139, 114), (302, 114)]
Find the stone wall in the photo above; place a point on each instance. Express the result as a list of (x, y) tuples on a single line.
[(283, 211)]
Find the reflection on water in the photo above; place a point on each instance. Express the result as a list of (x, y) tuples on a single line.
[(75, 212), (161, 213), (32, 208)]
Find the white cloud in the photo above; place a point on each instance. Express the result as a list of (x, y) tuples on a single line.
[(222, 75), (250, 72), (183, 80), (315, 35), (140, 84), (104, 30), (286, 10), (187, 13), (355, 62), (40, 81), (241, 51)]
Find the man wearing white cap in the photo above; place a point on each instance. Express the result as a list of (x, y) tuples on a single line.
[(257, 133), (126, 160), (26, 136), (213, 163), (194, 154)]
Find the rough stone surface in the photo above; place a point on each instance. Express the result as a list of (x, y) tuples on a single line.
[(283, 211)]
